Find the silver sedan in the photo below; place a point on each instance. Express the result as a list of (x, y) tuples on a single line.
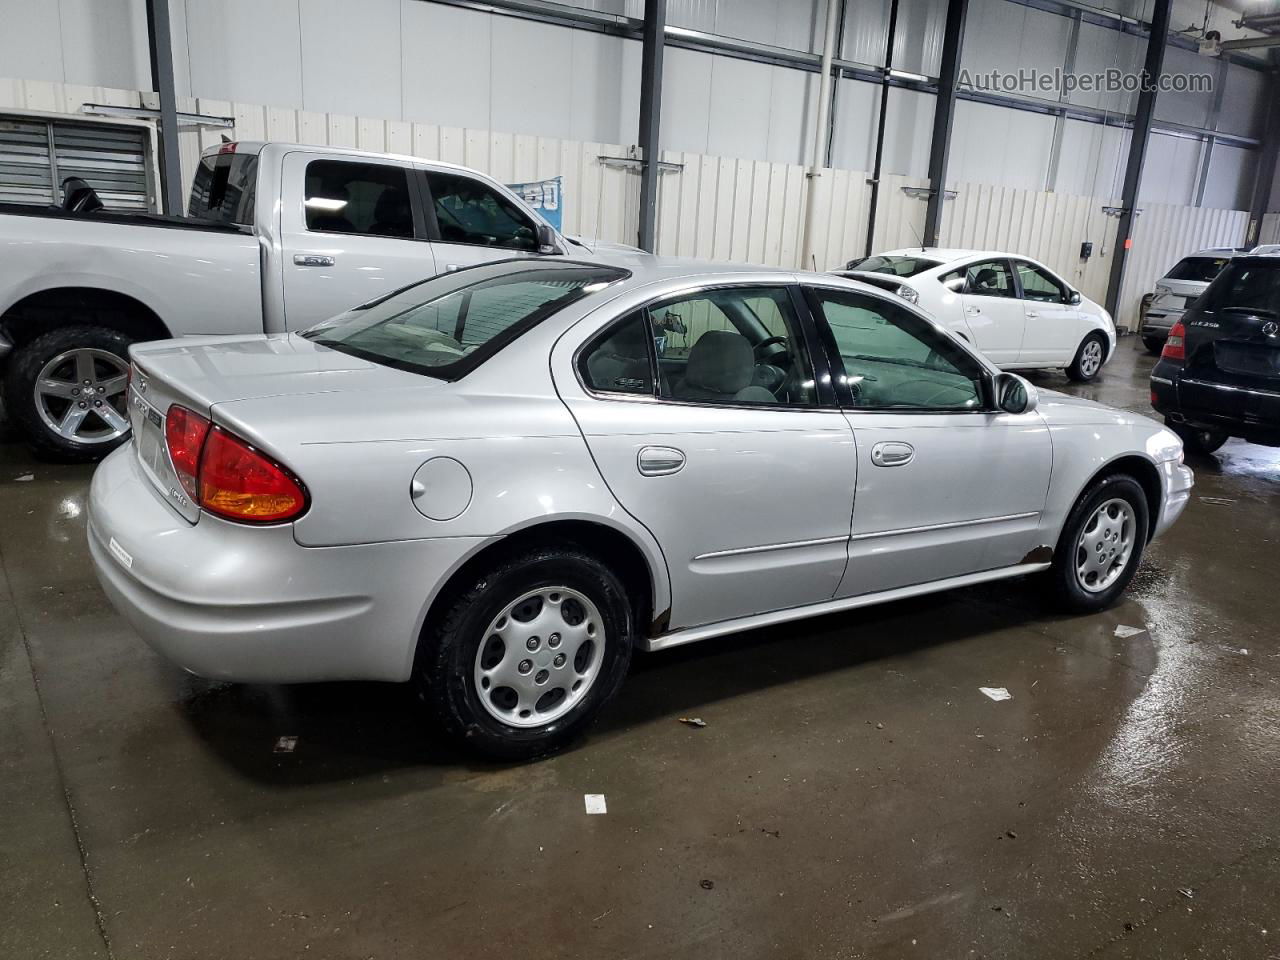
[(499, 483)]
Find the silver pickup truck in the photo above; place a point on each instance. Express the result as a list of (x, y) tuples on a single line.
[(279, 236)]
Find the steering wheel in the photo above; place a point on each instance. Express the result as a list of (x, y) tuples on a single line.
[(764, 354)]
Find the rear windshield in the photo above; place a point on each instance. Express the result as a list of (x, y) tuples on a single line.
[(895, 266), (1197, 269), (1254, 287), (449, 325), (223, 188)]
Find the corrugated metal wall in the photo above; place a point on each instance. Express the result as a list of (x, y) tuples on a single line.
[(727, 208)]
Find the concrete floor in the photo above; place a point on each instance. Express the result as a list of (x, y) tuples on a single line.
[(853, 794)]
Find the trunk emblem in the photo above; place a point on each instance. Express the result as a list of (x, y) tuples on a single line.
[(1271, 328)]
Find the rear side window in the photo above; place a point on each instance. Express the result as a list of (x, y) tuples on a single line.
[(468, 211), (450, 324), (618, 361), (360, 198), (224, 187), (989, 279), (1253, 287), (1198, 269)]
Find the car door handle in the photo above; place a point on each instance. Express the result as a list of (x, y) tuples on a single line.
[(973, 310), (892, 453), (1032, 313), (659, 461), (312, 260)]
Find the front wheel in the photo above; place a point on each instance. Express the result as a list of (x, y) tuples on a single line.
[(527, 653), (1101, 545), (1088, 359), (66, 391)]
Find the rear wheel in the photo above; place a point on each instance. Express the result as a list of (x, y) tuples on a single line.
[(527, 653), (1154, 345), (1089, 358), (1200, 440), (66, 391), (1101, 545)]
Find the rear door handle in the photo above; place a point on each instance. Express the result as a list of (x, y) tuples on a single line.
[(1032, 313), (972, 309), (659, 461), (892, 453), (312, 260)]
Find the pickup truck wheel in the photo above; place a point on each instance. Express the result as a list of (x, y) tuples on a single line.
[(1101, 545), (527, 653), (66, 391), (1089, 359)]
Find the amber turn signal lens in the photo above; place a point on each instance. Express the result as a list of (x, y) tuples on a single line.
[(238, 482)]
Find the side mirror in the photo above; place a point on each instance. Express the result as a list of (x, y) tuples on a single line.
[(547, 240), (1015, 395), (1075, 298), (955, 285)]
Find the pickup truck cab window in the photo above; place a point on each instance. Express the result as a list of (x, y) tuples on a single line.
[(361, 198), (468, 211), (224, 187)]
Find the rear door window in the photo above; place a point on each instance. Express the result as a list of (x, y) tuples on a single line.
[(991, 278), (361, 198)]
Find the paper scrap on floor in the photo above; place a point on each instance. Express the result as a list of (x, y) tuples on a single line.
[(997, 693), (595, 802), (1125, 632)]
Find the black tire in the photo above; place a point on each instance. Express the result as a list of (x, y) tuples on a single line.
[(1065, 583), (444, 673), (1199, 440), (20, 382), (1154, 345), (1076, 372)]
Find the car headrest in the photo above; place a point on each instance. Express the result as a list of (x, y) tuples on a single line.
[(721, 361)]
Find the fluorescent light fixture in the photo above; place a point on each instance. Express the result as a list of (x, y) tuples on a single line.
[(325, 203), (904, 75)]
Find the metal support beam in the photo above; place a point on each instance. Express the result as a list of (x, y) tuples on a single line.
[(1060, 119), (1151, 71), (160, 40), (943, 113), (877, 165), (1206, 154), (1268, 158), (820, 135), (655, 21)]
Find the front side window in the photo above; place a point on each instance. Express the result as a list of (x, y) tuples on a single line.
[(361, 198), (450, 324), (468, 211), (990, 278), (1039, 285), (894, 359)]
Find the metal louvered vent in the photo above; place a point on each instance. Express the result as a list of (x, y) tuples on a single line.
[(37, 155)]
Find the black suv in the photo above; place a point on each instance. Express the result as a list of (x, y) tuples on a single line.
[(1219, 374)]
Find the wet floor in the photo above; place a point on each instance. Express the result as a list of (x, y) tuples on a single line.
[(852, 795)]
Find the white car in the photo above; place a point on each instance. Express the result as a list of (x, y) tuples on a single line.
[(499, 483), (1018, 312)]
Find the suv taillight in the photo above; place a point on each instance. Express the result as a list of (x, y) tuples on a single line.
[(226, 475), (1175, 348)]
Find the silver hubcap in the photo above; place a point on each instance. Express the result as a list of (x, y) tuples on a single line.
[(1105, 545), (80, 395), (539, 657), (1091, 359)]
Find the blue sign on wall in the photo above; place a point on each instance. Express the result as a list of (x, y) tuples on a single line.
[(544, 196)]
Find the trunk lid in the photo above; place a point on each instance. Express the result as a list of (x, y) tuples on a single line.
[(211, 374)]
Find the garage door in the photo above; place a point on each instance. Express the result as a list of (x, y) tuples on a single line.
[(37, 155)]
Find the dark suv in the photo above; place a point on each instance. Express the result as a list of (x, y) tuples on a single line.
[(1219, 374)]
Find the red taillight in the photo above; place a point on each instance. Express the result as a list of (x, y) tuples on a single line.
[(227, 476), (1175, 348), (184, 434), (1155, 400)]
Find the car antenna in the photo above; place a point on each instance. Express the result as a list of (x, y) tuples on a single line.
[(915, 234)]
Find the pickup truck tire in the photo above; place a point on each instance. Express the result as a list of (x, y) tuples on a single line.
[(66, 390)]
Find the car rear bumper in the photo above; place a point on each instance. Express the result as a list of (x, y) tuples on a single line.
[(1159, 322), (1249, 412), (235, 602)]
